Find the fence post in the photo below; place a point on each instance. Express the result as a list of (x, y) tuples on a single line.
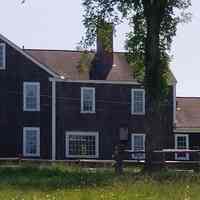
[(163, 159), (198, 161), (118, 157)]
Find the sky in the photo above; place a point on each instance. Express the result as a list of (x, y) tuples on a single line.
[(49, 24)]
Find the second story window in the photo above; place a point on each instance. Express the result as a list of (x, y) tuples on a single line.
[(138, 102), (31, 94), (2, 56), (87, 100)]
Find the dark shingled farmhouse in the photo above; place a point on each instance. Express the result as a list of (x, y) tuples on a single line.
[(54, 107)]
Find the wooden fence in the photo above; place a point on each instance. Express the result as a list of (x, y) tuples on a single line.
[(118, 160)]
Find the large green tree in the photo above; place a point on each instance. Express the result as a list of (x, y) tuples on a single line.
[(153, 23)]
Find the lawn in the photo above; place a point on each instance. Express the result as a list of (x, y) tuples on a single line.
[(73, 183)]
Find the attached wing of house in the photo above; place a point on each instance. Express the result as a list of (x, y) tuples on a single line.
[(188, 115)]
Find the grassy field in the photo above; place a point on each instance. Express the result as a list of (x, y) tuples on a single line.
[(60, 183)]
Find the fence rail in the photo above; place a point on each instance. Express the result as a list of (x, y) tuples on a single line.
[(118, 161)]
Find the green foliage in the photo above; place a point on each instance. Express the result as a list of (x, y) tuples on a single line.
[(84, 64), (103, 30), (137, 65), (97, 12), (140, 13), (115, 10)]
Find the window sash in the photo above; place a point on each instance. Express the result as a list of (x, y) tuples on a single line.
[(138, 101), (138, 147), (31, 141), (2, 56), (31, 96), (87, 100), (181, 142), (82, 144)]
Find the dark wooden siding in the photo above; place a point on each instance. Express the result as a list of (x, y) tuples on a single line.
[(194, 143), (113, 110), (12, 117)]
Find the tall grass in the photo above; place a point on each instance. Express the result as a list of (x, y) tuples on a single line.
[(74, 183)]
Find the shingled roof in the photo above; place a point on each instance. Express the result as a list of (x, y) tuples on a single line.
[(188, 113), (65, 63)]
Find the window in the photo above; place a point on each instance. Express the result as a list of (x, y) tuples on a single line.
[(87, 100), (2, 56), (138, 144), (82, 144), (31, 141), (31, 96), (138, 101), (181, 142)]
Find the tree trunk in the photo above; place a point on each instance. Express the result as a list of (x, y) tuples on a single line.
[(153, 75)]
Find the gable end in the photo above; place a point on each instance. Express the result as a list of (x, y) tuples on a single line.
[(29, 56)]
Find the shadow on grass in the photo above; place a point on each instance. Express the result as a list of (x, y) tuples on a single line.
[(58, 177), (55, 177)]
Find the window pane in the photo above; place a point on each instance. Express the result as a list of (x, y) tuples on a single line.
[(181, 144), (31, 96), (88, 94), (138, 145), (31, 147), (138, 101), (138, 95), (138, 107), (31, 103), (31, 90), (82, 145), (31, 139), (88, 101)]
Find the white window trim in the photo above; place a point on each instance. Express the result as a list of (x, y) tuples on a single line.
[(38, 96), (4, 56), (93, 99), (82, 133), (187, 146), (134, 156), (132, 102), (37, 154)]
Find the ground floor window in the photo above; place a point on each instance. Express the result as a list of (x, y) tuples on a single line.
[(82, 144), (181, 142), (138, 144), (31, 141)]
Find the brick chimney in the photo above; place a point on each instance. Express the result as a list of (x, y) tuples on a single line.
[(103, 60)]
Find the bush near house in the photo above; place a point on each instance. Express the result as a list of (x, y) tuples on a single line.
[(73, 183)]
